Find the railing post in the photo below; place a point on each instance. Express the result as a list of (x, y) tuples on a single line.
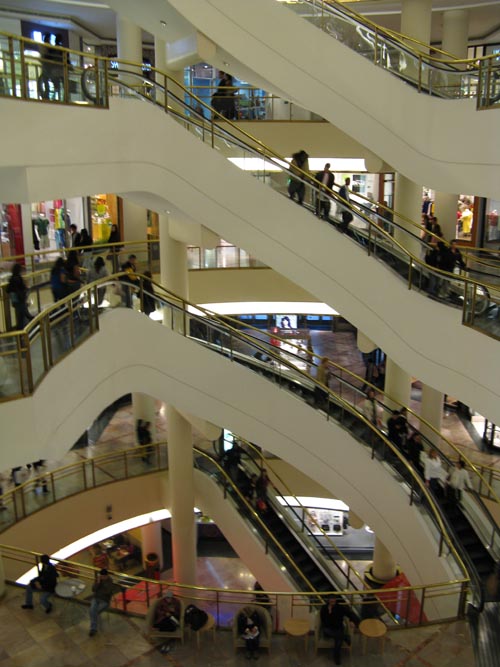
[(419, 73), (410, 273), (125, 462), (53, 486), (12, 67), (93, 473), (29, 369), (422, 603), (97, 82), (24, 87), (84, 472), (23, 504)]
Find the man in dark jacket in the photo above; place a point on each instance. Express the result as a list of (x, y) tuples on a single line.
[(103, 592), (45, 584), (332, 616)]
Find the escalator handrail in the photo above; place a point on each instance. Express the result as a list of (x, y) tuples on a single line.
[(268, 154), (253, 455), (190, 312), (339, 370), (228, 482), (401, 39)]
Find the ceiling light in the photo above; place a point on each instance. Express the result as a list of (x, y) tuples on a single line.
[(163, 24)]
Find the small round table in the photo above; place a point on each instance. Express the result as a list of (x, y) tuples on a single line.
[(372, 628), (69, 589), (297, 627)]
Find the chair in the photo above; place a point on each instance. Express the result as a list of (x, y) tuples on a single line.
[(152, 633), (320, 641), (208, 627), (265, 626)]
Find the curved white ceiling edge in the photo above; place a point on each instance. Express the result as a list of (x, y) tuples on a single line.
[(52, 160), (171, 368), (420, 136), (143, 494)]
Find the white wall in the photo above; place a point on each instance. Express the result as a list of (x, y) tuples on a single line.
[(13, 26), (420, 136), (43, 158), (175, 370), (134, 221)]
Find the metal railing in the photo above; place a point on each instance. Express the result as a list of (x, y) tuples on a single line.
[(371, 229), (441, 75), (54, 333), (41, 491), (224, 604)]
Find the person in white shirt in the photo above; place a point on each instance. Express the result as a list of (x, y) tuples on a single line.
[(458, 481), (433, 472), (371, 409)]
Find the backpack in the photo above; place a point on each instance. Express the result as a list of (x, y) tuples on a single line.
[(194, 617)]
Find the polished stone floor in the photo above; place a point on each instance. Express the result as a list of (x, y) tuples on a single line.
[(33, 639)]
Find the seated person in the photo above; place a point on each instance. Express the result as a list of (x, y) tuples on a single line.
[(167, 613), (332, 623), (251, 634)]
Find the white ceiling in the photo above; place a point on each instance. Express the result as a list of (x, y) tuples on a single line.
[(94, 18)]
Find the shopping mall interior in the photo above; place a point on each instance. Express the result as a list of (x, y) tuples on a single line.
[(249, 313)]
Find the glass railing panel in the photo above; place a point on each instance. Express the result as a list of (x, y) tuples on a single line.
[(108, 469), (37, 351), (194, 258), (482, 308), (12, 367), (59, 339)]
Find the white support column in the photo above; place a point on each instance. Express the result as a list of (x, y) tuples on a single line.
[(416, 17), (180, 465), (445, 210), (408, 202), (432, 411), (151, 541), (27, 228), (129, 40), (397, 383), (174, 276), (161, 65), (456, 32), (143, 407), (384, 566), (129, 47)]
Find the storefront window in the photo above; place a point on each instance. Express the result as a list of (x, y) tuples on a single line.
[(11, 233), (465, 217), (103, 214), (492, 232)]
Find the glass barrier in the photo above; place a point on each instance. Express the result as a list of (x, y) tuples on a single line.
[(383, 234), (371, 229), (441, 76), (49, 488), (33, 71), (225, 604)]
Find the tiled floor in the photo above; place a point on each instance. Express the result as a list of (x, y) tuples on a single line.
[(33, 639)]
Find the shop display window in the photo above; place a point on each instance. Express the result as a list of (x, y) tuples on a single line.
[(103, 214), (492, 231)]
